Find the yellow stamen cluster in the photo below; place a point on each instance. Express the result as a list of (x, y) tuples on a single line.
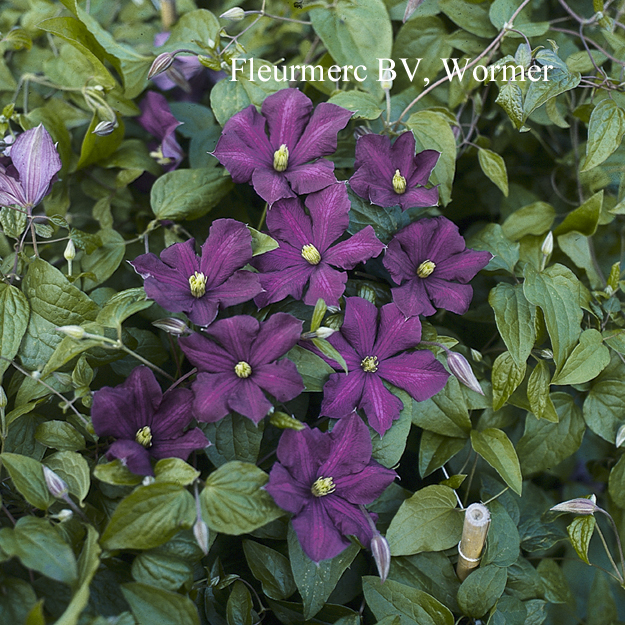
[(399, 183), (242, 369), (157, 155), (144, 436), (370, 364), (425, 269), (197, 283), (311, 254), (281, 158), (323, 486)]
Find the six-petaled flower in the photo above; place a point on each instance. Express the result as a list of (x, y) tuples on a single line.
[(308, 252), (287, 162), (323, 478), (430, 262), (183, 282), (242, 362), (145, 422), (388, 175)]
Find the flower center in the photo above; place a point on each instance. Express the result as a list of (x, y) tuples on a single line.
[(425, 268), (242, 369), (323, 486), (144, 436), (399, 183), (157, 155), (197, 282), (311, 254), (369, 364), (281, 158)]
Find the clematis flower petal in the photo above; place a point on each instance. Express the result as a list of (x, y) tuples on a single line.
[(280, 379), (358, 248), (325, 283), (211, 393), (363, 487), (329, 213), (275, 337), (311, 177), (341, 394), (379, 404), (134, 457), (248, 399), (287, 112), (291, 495)]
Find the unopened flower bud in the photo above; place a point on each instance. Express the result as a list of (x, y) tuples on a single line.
[(361, 131), (104, 128), (235, 14), (387, 80), (547, 246), (172, 326), (147, 480), (578, 506), (546, 353), (382, 555), (63, 515), (609, 291), (285, 422), (620, 436), (161, 63), (477, 356), (70, 251), (200, 531), (76, 332), (320, 333), (460, 367), (56, 485), (3, 399)]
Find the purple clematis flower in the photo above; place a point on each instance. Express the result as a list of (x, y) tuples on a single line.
[(371, 347), (145, 422), (242, 363), (180, 281), (323, 478), (35, 163), (157, 119), (389, 175), (287, 163), (307, 253), (430, 261)]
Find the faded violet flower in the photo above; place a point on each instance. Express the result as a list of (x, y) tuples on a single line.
[(374, 350), (242, 362), (288, 162), (322, 478), (308, 253), (389, 175), (183, 282), (157, 119), (180, 72), (145, 422), (430, 261), (35, 163)]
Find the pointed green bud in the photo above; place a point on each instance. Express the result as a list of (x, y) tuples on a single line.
[(235, 14), (382, 555), (56, 485)]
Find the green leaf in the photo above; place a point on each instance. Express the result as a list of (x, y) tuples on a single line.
[(364, 105), (16, 601), (14, 315), (605, 132), (123, 305), (149, 517), (188, 193), (603, 408), (510, 99), (60, 435), (616, 483), (316, 581), (152, 605), (558, 81), (314, 370), (586, 362), (318, 315), (40, 547), (234, 501), (428, 521), (73, 468), (495, 447), (96, 149), (234, 438), (433, 132), (413, 606), (503, 541), (27, 475), (583, 219), (508, 611), (271, 569), (261, 242), (494, 167), (506, 377), (329, 351), (116, 473), (470, 17), (580, 532), (175, 471), (103, 262), (602, 608), (480, 591), (555, 586), (161, 570), (356, 34), (239, 606), (576, 247), (388, 450), (492, 239), (535, 218), (436, 450), (195, 28), (558, 293), (538, 393)]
